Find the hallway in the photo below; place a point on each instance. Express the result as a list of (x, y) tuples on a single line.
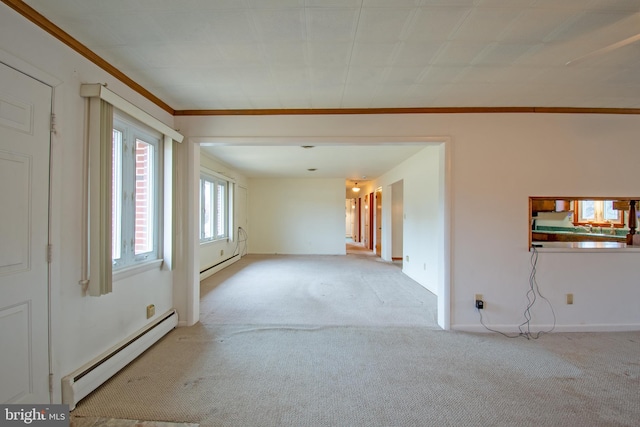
[(354, 248)]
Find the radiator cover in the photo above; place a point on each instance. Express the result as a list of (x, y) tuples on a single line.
[(90, 376)]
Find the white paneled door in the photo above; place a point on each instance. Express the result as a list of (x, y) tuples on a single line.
[(25, 111)]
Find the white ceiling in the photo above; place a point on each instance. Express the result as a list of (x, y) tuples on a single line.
[(357, 163), (315, 54), (281, 54)]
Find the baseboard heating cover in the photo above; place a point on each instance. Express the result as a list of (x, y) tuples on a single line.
[(219, 266), (83, 381)]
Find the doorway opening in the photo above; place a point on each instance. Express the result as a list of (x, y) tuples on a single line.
[(351, 220), (437, 262), (397, 221), (354, 225), (377, 221)]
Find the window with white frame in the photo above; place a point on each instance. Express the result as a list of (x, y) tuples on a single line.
[(136, 193), (214, 208), (598, 213)]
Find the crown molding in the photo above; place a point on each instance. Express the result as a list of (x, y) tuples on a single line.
[(34, 16), (417, 110), (48, 26)]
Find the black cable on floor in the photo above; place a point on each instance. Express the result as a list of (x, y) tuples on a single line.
[(242, 238), (532, 295)]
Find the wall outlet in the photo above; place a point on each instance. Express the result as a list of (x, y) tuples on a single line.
[(221, 252), (151, 310), (407, 258), (478, 301), (569, 299)]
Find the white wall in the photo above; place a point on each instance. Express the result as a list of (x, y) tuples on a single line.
[(496, 162), (420, 175), (82, 327), (210, 252), (297, 216)]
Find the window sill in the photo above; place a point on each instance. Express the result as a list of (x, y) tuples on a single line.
[(582, 247), (137, 269), (213, 242)]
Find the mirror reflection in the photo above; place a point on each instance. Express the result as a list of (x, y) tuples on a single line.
[(577, 222)]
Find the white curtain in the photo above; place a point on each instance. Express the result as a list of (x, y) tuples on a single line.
[(100, 141)]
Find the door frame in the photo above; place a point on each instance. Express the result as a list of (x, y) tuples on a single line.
[(371, 220), (359, 217), (377, 217)]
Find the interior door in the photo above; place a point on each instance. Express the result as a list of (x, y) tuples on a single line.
[(369, 219), (378, 223), (25, 111)]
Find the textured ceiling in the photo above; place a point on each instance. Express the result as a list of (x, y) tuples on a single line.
[(301, 54), (357, 163)]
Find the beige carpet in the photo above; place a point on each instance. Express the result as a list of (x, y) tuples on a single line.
[(76, 421), (362, 372), (353, 290), (354, 248)]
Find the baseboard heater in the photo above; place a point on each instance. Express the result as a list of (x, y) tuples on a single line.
[(219, 266), (86, 379)]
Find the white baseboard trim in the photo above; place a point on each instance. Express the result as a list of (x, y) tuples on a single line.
[(513, 329), (213, 270)]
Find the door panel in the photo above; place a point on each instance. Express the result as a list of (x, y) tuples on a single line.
[(14, 211), (14, 328), (25, 110)]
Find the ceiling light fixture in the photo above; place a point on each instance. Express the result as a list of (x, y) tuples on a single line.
[(356, 188), (307, 146), (312, 169)]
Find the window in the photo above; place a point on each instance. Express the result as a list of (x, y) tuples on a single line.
[(127, 212), (136, 193), (214, 208), (598, 213)]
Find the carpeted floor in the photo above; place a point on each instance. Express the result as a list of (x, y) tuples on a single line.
[(353, 290), (281, 344), (76, 421)]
